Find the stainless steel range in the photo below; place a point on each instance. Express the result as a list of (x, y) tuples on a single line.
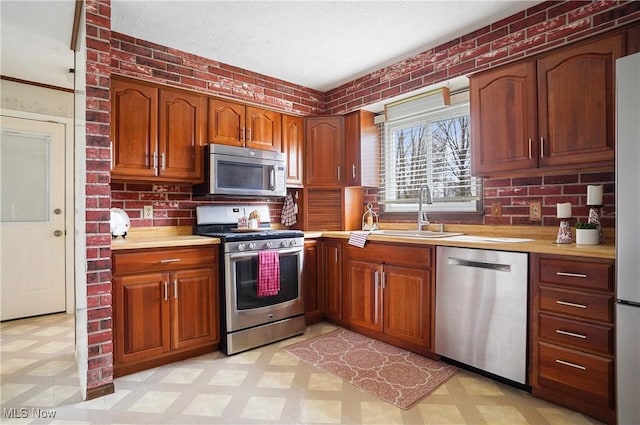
[(250, 319)]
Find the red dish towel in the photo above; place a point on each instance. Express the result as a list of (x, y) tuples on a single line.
[(268, 273)]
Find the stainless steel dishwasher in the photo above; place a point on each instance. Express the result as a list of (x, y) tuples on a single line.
[(481, 309)]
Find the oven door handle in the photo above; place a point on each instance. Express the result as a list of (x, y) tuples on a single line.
[(255, 253)]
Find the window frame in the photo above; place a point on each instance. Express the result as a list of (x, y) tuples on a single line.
[(462, 210)]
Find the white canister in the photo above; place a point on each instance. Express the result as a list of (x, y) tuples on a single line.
[(253, 223)]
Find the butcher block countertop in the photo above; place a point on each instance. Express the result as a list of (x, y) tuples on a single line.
[(160, 237), (543, 239)]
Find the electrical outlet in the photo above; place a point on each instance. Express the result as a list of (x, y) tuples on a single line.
[(496, 209), (147, 212), (535, 211)]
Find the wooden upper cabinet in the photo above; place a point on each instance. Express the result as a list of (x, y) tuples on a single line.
[(503, 119), (577, 103), (361, 149), (134, 128), (157, 132), (226, 122), (292, 146), (554, 112), (235, 124), (324, 151), (264, 129), (183, 118)]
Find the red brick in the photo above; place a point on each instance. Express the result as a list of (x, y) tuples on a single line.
[(508, 20), (98, 337)]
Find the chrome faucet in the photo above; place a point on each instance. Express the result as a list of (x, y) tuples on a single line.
[(422, 215)]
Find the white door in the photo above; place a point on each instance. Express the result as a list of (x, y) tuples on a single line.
[(32, 231)]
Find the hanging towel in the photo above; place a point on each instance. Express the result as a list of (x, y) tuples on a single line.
[(268, 273), (358, 239), (288, 215)]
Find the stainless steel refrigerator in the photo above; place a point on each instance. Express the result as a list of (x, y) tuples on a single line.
[(628, 239)]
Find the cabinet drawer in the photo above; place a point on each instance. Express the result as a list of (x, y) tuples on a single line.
[(406, 255), (578, 274), (577, 334), (579, 304), (571, 371), (164, 259)]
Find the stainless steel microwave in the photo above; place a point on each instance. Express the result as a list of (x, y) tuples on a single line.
[(235, 171)]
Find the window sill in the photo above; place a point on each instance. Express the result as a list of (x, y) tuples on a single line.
[(436, 217)]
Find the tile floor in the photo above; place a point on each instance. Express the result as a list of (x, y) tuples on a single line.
[(39, 384)]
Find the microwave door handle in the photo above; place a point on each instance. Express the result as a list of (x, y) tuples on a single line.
[(272, 178)]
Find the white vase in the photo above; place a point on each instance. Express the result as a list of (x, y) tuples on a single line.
[(587, 236)]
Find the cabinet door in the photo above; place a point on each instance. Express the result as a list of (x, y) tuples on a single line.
[(226, 122), (363, 295), (134, 129), (503, 119), (324, 151), (407, 304), (332, 278), (264, 129), (141, 316), (576, 103), (361, 149), (182, 135), (194, 315), (312, 293), (292, 141)]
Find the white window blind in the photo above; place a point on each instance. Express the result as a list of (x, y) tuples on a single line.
[(434, 149)]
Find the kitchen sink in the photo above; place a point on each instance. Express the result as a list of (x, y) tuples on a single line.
[(416, 233)]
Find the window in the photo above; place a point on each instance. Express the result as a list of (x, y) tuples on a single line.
[(429, 149)]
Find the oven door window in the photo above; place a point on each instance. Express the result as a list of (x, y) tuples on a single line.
[(247, 283)]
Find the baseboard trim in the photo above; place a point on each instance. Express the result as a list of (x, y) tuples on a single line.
[(100, 391)]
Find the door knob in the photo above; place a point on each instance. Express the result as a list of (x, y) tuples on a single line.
[(57, 233), (57, 211)]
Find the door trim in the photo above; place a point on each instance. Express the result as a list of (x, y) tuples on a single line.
[(68, 198)]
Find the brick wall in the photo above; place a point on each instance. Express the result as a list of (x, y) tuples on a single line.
[(541, 27), (173, 204), (98, 191), (149, 61)]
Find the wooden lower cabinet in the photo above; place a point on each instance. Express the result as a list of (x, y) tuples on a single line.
[(572, 333), (388, 293), (164, 312), (311, 282), (331, 276)]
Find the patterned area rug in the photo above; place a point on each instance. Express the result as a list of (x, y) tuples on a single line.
[(387, 372)]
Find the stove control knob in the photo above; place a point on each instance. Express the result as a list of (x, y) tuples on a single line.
[(268, 244), (241, 247), (252, 245), (283, 243), (293, 242)]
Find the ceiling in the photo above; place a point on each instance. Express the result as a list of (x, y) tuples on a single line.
[(317, 44)]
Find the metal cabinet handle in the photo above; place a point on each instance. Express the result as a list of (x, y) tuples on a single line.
[(242, 133), (376, 278), (170, 260), (166, 290), (568, 304), (581, 275), (353, 171), (561, 332), (336, 252), (384, 280), (163, 160), (155, 162), (249, 134), (175, 288), (338, 172), (541, 147), (576, 366), (530, 148)]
